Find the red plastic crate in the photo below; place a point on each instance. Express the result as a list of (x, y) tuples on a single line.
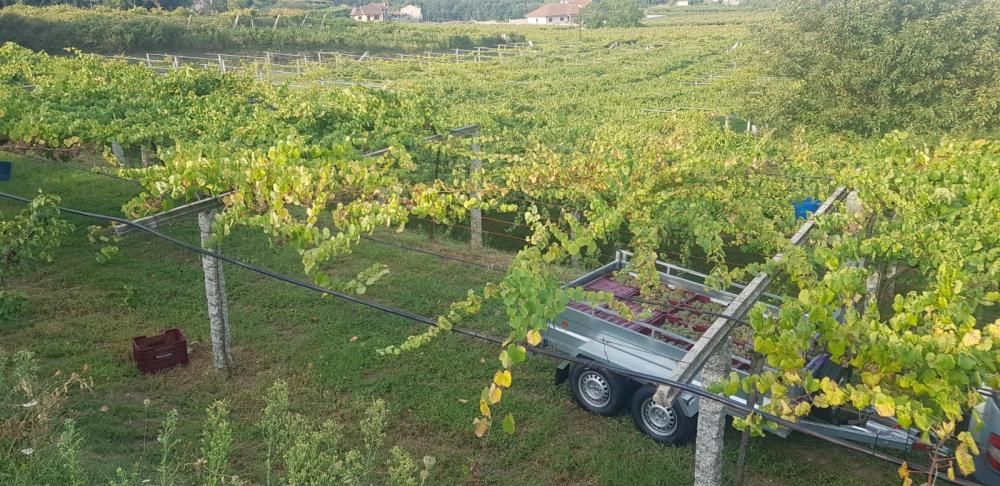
[(156, 353), (608, 284)]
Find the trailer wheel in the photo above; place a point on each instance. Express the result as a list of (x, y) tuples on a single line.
[(598, 391), (666, 425)]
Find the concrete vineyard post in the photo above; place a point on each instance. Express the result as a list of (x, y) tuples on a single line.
[(145, 155), (756, 366), (575, 259), (711, 423), (215, 296), (476, 214), (119, 153)]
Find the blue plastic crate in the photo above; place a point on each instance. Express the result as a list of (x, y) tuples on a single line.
[(805, 207), (5, 170)]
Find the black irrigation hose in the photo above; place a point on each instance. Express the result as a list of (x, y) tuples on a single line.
[(642, 377)]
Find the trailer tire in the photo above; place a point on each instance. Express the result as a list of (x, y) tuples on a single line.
[(598, 391), (666, 425)]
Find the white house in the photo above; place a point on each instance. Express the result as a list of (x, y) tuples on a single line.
[(555, 13), (373, 12), (411, 12), (380, 12)]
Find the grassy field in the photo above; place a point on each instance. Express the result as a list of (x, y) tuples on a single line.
[(82, 311)]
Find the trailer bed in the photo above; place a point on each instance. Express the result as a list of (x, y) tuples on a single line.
[(663, 328), (659, 331)]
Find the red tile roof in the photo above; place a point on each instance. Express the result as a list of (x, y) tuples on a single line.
[(555, 10), (371, 10)]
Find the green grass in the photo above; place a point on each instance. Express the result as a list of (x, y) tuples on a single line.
[(85, 312)]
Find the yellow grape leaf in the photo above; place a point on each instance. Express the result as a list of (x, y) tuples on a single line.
[(885, 405), (484, 408), (504, 359), (994, 329), (534, 337), (502, 378), (786, 410), (951, 472), (495, 394), (966, 438), (945, 429), (972, 338), (964, 459), (859, 399), (834, 394), (802, 409), (481, 425), (792, 378)]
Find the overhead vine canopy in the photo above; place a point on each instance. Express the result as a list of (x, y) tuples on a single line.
[(291, 163)]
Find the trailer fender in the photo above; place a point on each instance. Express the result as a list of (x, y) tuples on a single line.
[(688, 404), (562, 372)]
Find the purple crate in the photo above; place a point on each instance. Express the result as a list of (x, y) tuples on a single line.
[(156, 353), (607, 284)]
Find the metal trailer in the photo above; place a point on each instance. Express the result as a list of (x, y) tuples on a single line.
[(985, 428), (652, 343)]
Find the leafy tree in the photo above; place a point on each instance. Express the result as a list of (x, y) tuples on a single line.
[(871, 66), (612, 13)]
